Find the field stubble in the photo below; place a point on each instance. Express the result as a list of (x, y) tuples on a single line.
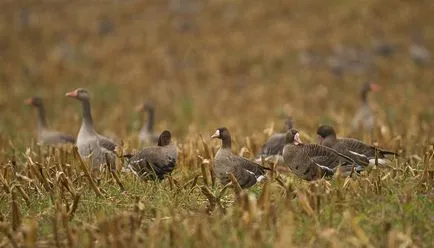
[(228, 63)]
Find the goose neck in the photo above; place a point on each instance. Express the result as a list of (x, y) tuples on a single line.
[(87, 115), (42, 121)]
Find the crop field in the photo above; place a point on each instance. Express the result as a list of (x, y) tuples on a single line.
[(207, 64)]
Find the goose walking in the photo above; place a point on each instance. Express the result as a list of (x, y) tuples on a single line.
[(45, 136), (245, 171), (155, 161), (311, 161), (91, 144), (362, 153)]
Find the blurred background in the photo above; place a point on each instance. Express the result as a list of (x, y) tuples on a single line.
[(211, 63)]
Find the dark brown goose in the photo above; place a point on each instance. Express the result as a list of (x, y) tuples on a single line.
[(45, 136), (146, 134), (155, 161), (362, 153), (90, 144), (364, 117), (311, 161), (245, 171), (273, 148)]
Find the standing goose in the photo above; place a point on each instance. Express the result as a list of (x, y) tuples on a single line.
[(90, 144), (146, 134), (364, 117), (46, 136), (418, 52), (245, 171), (362, 153), (311, 161), (155, 161), (273, 147)]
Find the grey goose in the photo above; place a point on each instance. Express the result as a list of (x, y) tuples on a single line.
[(364, 118), (155, 161), (312, 161), (361, 153), (90, 144), (418, 52), (273, 147), (146, 133), (46, 136), (246, 172)]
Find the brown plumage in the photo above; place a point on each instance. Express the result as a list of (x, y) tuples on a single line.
[(311, 161), (89, 142), (245, 171), (155, 161), (45, 136), (362, 153)]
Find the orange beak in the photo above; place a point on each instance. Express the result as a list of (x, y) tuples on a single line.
[(72, 94), (28, 101), (375, 87)]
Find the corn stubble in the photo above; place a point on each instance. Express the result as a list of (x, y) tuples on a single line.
[(228, 63)]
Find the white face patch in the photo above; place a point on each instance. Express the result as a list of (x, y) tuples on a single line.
[(216, 134), (297, 139)]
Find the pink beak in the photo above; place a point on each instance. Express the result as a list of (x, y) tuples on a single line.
[(72, 94), (139, 108), (320, 139), (28, 101), (375, 87), (297, 139)]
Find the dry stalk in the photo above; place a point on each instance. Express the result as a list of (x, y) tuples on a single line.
[(236, 185), (37, 174), (23, 193), (87, 173), (211, 198), (73, 206), (5, 230), (68, 231), (16, 215), (208, 153), (55, 221), (264, 198), (118, 180), (30, 233), (5, 184)]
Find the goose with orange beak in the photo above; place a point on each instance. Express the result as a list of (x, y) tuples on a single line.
[(46, 136), (92, 145)]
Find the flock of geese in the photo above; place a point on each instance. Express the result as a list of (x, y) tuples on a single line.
[(307, 161)]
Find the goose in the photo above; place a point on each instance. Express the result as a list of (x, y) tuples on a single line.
[(146, 134), (155, 161), (312, 161), (273, 147), (45, 136), (360, 152), (418, 52), (364, 117), (90, 144), (245, 171)]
